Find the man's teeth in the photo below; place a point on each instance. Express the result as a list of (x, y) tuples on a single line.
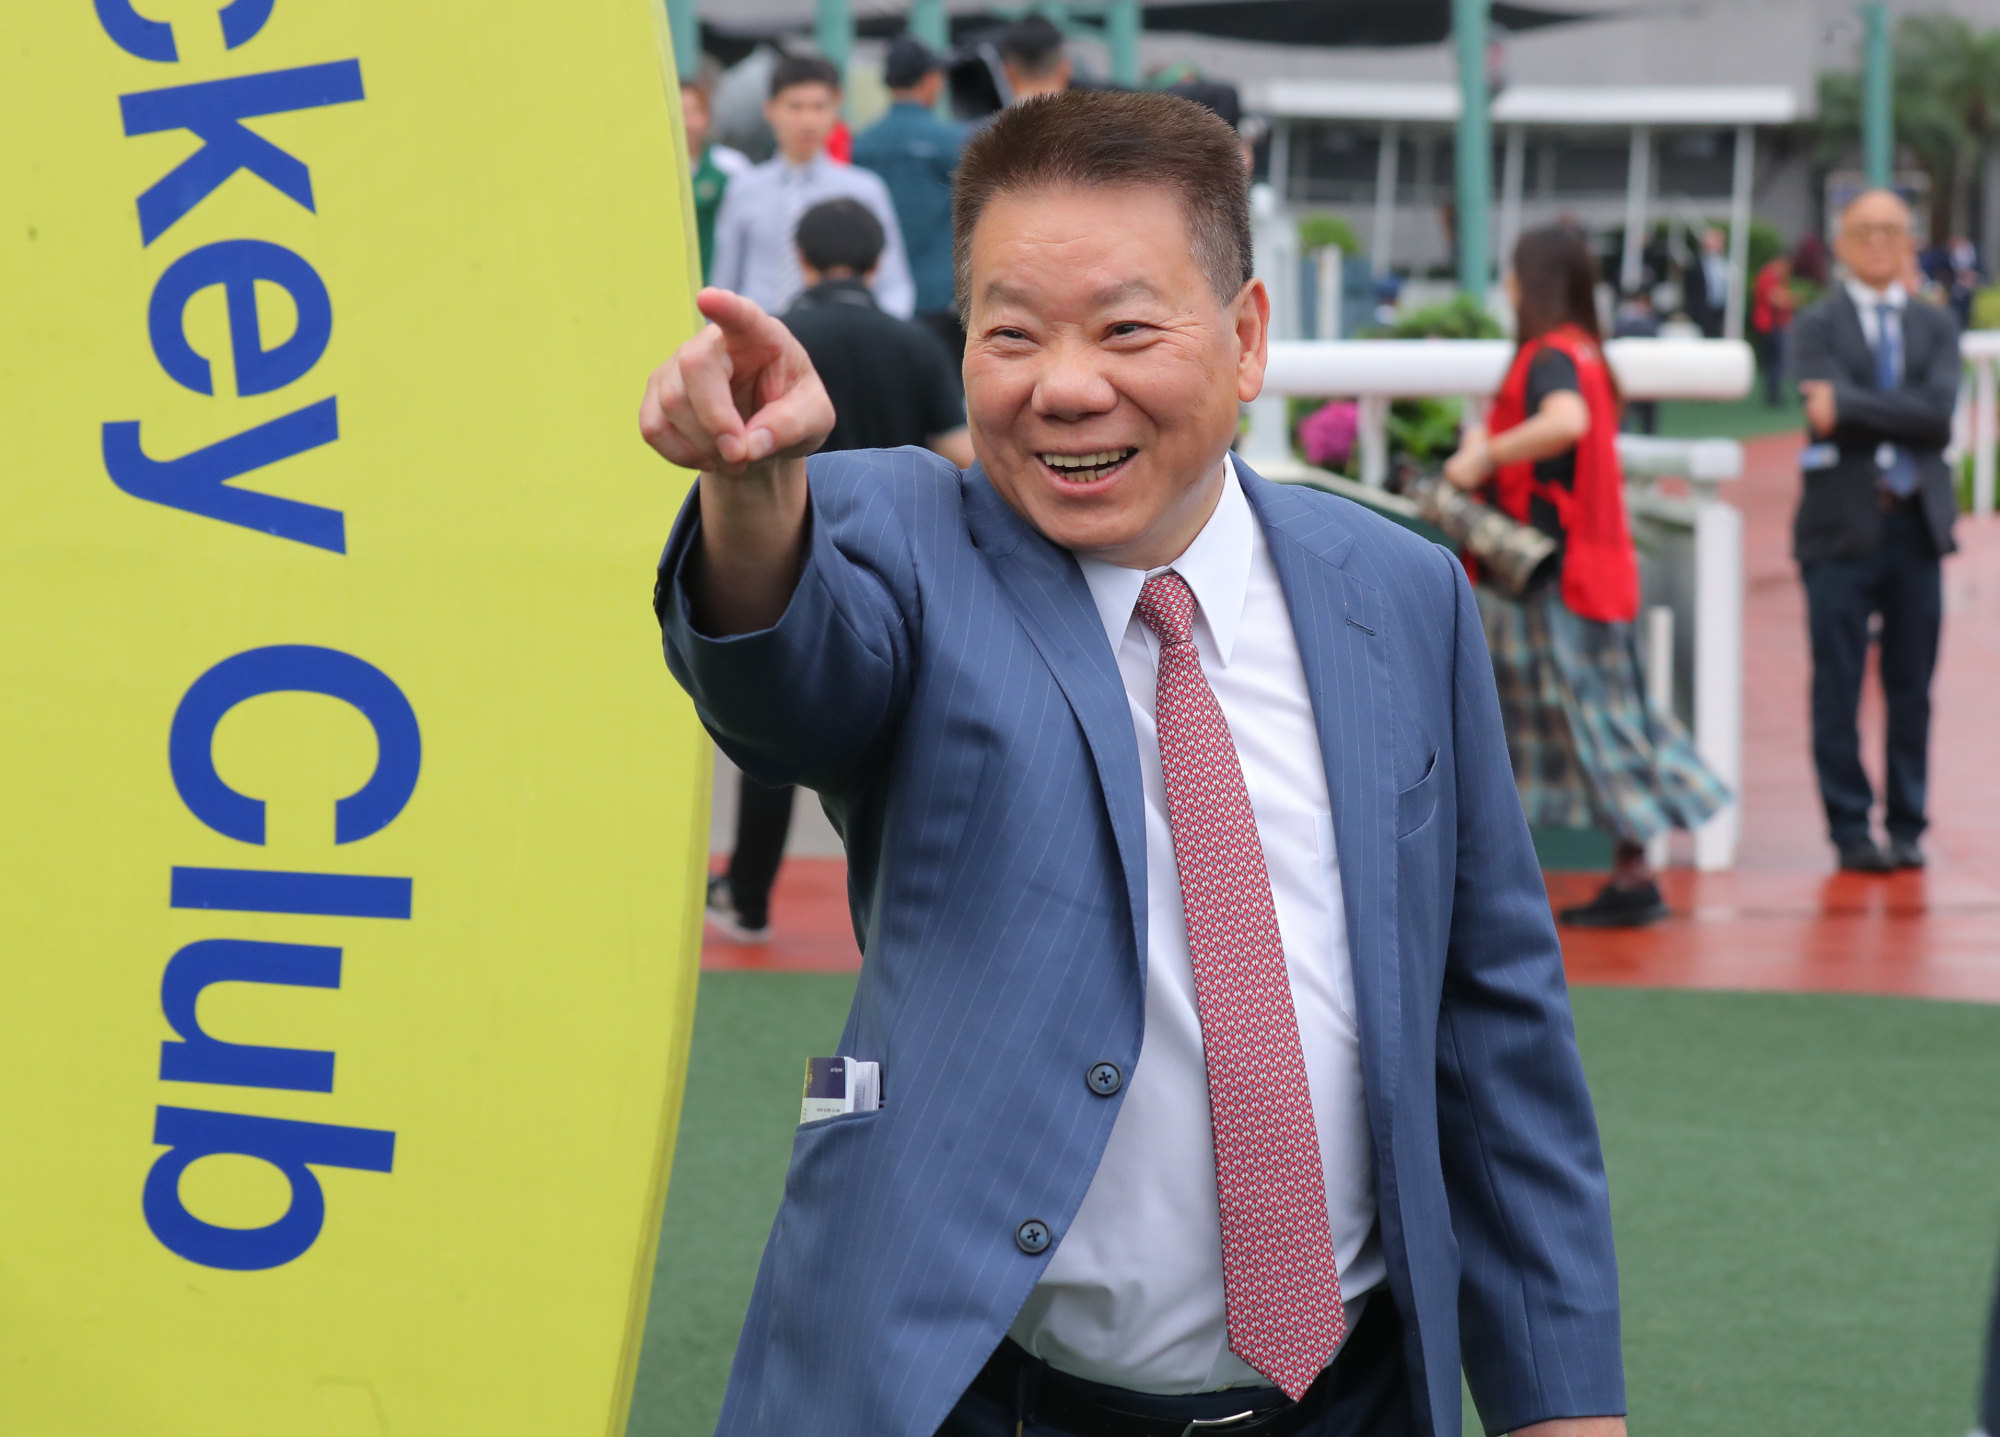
[(1104, 459)]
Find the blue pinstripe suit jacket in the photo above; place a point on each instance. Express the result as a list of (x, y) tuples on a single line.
[(942, 679)]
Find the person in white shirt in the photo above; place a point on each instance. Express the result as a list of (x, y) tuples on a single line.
[(756, 249), (1705, 283)]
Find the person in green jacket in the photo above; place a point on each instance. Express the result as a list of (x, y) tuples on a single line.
[(915, 153), (709, 166)]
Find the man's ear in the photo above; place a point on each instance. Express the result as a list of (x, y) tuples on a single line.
[(1251, 313)]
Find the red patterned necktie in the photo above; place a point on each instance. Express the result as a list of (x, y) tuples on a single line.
[(1280, 1281)]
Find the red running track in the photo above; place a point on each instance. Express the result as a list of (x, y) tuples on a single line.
[(1784, 919)]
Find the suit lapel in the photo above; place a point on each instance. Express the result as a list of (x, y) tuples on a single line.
[(1054, 606), (1344, 646), (1860, 354)]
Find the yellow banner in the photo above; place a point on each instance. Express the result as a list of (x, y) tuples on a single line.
[(353, 826)]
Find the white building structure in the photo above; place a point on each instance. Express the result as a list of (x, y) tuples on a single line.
[(1379, 153)]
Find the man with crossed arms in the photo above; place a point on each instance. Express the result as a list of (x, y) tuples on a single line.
[(1229, 1081)]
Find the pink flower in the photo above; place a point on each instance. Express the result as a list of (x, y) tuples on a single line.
[(1327, 434)]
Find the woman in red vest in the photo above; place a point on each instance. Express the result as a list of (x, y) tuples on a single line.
[(1587, 751)]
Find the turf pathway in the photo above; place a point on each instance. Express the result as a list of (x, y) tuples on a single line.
[(1806, 1181)]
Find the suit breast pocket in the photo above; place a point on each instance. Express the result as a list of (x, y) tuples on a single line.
[(1417, 804)]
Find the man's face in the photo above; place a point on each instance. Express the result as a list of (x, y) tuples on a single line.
[(1713, 241), (1875, 242), (694, 120), (1102, 375), (801, 117)]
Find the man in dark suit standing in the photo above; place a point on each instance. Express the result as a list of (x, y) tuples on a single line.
[(1879, 372), (1705, 285)]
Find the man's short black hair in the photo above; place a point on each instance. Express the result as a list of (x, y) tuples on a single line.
[(840, 234), (803, 70), (1033, 45), (908, 61), (1112, 139)]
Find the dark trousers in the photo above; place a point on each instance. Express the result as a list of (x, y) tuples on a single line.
[(1902, 582), (763, 818), (1770, 347), (1366, 1393)]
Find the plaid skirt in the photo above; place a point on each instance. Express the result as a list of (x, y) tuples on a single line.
[(1587, 750)]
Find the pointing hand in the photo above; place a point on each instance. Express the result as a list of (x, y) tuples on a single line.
[(738, 397)]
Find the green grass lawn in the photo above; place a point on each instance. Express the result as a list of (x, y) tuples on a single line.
[(1807, 1195)]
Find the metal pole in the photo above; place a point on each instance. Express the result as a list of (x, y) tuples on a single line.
[(1513, 178), (1878, 125), (1280, 161), (1122, 23), (1659, 694), (1718, 670), (1383, 242), (1475, 148), (1275, 244), (834, 29), (686, 31), (1983, 424), (1739, 233), (928, 24), (1638, 186), (1328, 264)]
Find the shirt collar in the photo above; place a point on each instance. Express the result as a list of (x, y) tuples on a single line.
[(1216, 567), (805, 171), (1867, 298), (839, 291)]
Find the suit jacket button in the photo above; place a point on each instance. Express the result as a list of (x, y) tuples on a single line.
[(1104, 1079), (1032, 1237)]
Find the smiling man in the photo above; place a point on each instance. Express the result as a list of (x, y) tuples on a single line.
[(1227, 1070)]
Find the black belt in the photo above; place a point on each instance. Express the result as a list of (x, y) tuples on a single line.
[(1040, 1394), (1035, 1391)]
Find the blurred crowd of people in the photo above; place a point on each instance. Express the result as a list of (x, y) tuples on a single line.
[(1948, 275)]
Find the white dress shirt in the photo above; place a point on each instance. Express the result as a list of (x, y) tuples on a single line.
[(756, 252), (1715, 271), (1868, 302), (1133, 1296)]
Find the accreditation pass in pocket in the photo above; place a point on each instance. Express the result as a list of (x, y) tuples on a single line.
[(840, 1085)]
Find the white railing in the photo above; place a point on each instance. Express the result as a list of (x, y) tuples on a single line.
[(1699, 564), (1695, 568), (1981, 350), (1374, 371)]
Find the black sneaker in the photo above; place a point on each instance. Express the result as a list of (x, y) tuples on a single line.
[(723, 918), (1616, 907), (1863, 855), (1905, 853)]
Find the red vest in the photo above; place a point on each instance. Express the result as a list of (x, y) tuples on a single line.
[(1600, 576)]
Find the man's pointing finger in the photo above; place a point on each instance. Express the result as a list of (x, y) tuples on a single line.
[(736, 316)]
